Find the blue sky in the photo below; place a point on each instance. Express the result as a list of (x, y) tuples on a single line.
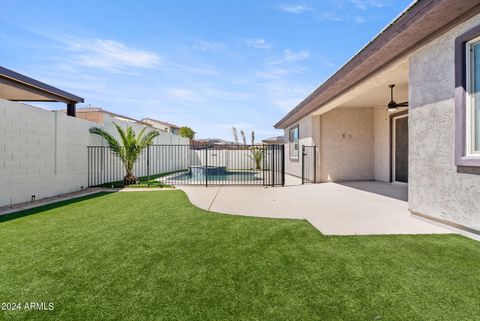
[(210, 65)]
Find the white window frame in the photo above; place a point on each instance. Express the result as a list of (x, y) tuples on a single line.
[(470, 102), (292, 144)]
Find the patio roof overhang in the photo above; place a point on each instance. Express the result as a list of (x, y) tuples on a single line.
[(18, 87), (423, 21)]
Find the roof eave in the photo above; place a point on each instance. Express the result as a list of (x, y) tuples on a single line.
[(411, 17), (19, 78)]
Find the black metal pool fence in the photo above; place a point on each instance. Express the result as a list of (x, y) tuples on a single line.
[(192, 165)]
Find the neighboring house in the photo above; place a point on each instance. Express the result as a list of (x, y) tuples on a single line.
[(212, 141), (99, 116), (431, 53), (169, 128), (274, 140), (106, 119)]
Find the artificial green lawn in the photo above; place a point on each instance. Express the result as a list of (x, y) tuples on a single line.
[(154, 256)]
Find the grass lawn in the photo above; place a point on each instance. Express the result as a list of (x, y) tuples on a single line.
[(154, 256)]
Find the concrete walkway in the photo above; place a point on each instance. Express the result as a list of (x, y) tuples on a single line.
[(334, 209)]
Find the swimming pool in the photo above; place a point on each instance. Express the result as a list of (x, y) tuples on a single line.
[(227, 177)]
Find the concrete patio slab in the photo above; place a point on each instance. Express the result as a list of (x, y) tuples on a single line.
[(351, 208)]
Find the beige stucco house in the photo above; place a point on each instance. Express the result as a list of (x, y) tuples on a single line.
[(428, 137), (162, 125)]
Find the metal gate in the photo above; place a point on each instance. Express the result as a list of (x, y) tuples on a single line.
[(192, 165), (309, 164)]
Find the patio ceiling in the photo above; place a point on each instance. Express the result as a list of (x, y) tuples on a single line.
[(18, 87), (374, 92)]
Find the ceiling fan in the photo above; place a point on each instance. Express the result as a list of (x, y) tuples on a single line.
[(392, 105)]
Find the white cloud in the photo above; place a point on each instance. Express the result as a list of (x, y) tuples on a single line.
[(329, 16), (295, 8), (258, 43), (276, 73), (182, 94), (359, 19), (111, 54), (285, 95), (209, 46), (289, 55), (365, 4)]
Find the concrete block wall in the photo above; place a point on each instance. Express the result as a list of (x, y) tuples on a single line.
[(44, 153)]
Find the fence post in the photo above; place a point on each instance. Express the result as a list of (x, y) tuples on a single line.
[(273, 165), (148, 165), (283, 164), (303, 164), (88, 165), (206, 166), (263, 164), (314, 164)]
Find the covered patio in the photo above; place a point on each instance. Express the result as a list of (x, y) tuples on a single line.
[(348, 208)]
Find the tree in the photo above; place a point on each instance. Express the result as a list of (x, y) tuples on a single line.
[(130, 148), (187, 132), (252, 136), (235, 135)]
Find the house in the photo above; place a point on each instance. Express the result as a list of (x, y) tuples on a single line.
[(212, 141), (273, 140), (106, 119), (404, 110), (100, 116), (158, 124)]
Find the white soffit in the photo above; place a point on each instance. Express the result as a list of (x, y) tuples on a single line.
[(374, 91)]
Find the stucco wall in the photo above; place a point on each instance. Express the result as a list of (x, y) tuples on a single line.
[(436, 186), (347, 148), (44, 153), (309, 134)]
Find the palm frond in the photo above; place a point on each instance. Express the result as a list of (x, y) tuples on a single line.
[(131, 145), (140, 134), (122, 133), (148, 138)]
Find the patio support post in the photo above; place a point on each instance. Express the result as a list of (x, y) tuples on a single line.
[(72, 109)]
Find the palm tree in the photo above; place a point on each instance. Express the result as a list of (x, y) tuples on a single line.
[(130, 148)]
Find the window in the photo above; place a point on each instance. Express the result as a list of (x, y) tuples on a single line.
[(293, 142), (473, 98), (467, 98)]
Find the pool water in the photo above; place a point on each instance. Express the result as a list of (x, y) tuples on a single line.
[(187, 178)]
